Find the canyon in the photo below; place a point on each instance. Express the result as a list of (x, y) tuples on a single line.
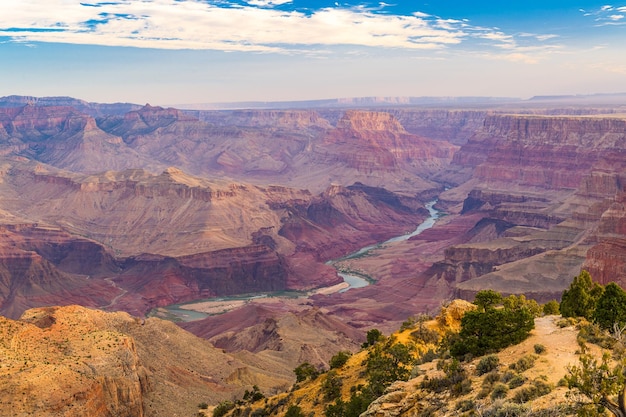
[(127, 209)]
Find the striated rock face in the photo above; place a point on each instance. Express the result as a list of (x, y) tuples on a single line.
[(368, 140), (43, 266), (65, 138), (454, 126), (606, 259), (155, 281), (545, 152)]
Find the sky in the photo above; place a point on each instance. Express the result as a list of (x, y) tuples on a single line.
[(168, 52)]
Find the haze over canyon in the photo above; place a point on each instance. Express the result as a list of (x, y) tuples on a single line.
[(124, 208)]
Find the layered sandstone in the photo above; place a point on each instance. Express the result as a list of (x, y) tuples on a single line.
[(546, 152), (454, 126), (66, 138), (369, 140)]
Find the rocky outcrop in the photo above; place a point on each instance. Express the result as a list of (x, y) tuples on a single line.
[(61, 376), (73, 361)]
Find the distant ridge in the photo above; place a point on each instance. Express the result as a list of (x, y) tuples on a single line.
[(92, 109), (606, 98), (352, 102)]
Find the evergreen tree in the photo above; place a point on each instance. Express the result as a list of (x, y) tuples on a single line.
[(492, 329), (486, 299), (611, 307), (581, 297)]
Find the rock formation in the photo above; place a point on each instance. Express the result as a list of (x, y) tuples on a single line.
[(74, 361)]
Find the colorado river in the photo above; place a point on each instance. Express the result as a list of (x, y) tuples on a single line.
[(199, 309), (356, 281)]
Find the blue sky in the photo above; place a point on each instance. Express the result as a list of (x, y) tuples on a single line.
[(170, 52)]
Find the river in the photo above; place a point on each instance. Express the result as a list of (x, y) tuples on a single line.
[(180, 312), (356, 281)]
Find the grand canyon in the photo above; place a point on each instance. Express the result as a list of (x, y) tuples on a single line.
[(112, 213)]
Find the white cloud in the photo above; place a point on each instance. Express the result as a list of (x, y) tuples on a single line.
[(194, 24), (607, 15), (266, 3)]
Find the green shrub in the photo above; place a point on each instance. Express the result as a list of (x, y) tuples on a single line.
[(305, 371), (461, 387), (487, 364), (466, 405), (505, 409), (331, 387), (499, 391), (523, 363), (483, 393), (428, 356), (507, 376), (203, 406), (551, 308), (592, 333), (223, 408), (455, 379), (489, 329), (373, 336), (537, 389), (566, 322), (260, 412), (294, 411), (254, 395), (516, 381), (386, 363), (408, 324), (539, 349), (425, 335), (339, 359), (491, 378), (335, 410), (611, 307)]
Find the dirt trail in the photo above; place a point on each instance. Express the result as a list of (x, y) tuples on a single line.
[(560, 349)]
